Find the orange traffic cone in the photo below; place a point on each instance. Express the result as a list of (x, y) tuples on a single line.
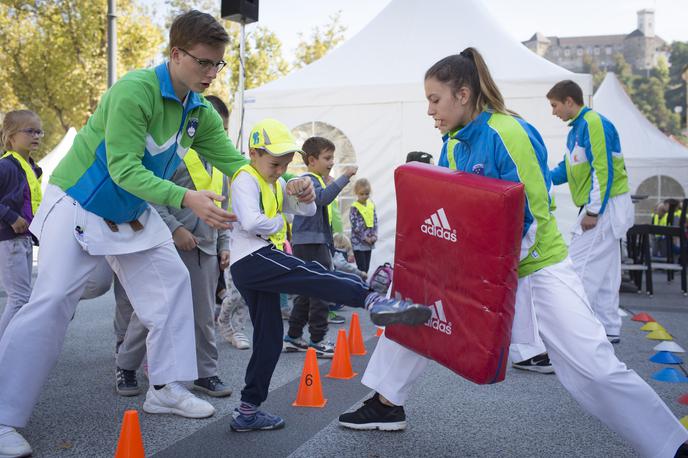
[(683, 399), (310, 389), (379, 332), (356, 345), (130, 443), (341, 363)]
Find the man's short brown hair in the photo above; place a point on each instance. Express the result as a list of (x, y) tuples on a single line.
[(313, 146), (194, 27), (564, 89)]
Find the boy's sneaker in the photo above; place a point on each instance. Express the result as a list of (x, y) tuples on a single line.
[(385, 311), (293, 344), (539, 363), (373, 414), (323, 349), (336, 307), (175, 398), (239, 340), (333, 318), (127, 385), (286, 314), (261, 421), (212, 386), (614, 339), (12, 444)]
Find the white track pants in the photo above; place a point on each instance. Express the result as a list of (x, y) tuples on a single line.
[(155, 280), (596, 257), (583, 359)]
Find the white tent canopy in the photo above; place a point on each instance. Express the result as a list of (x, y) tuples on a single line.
[(50, 161), (647, 151), (371, 89)]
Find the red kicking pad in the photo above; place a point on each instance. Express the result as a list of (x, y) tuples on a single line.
[(457, 249)]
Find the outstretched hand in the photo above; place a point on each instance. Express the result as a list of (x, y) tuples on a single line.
[(202, 203)]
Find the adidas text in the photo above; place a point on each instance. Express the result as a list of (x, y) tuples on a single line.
[(437, 225), (438, 320)]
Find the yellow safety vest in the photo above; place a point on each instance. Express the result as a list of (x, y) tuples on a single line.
[(659, 221), (367, 211), (330, 207), (271, 203), (200, 177), (33, 180)]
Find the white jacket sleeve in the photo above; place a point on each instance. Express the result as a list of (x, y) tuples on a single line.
[(246, 205)]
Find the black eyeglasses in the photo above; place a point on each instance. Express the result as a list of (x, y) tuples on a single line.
[(33, 132), (205, 64)]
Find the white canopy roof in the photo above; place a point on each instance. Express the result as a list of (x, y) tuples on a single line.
[(408, 36), (50, 160), (647, 151)]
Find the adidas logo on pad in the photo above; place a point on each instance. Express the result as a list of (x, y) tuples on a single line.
[(438, 320), (438, 226)]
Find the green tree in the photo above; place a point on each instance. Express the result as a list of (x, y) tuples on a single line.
[(648, 96), (676, 90), (55, 56), (320, 42)]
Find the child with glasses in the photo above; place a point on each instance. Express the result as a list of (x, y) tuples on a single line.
[(20, 195)]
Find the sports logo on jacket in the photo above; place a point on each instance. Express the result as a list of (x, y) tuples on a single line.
[(438, 320), (478, 169), (438, 226), (191, 127)]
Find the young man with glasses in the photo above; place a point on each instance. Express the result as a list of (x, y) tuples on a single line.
[(97, 206)]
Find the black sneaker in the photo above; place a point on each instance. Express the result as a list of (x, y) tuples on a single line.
[(539, 364), (127, 385), (682, 451), (373, 414), (212, 386), (322, 349), (613, 339)]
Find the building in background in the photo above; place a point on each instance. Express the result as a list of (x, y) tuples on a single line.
[(640, 48)]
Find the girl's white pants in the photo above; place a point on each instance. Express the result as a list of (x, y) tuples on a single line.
[(583, 359)]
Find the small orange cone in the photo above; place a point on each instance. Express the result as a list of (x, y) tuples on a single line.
[(379, 332), (310, 389), (356, 345), (683, 399), (341, 363), (642, 317), (130, 443)]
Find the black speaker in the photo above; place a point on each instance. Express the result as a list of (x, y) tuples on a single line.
[(240, 10)]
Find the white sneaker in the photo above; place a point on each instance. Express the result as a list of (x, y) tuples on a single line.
[(239, 340), (175, 398), (12, 444)]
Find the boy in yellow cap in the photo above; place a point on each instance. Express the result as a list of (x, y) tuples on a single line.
[(261, 270)]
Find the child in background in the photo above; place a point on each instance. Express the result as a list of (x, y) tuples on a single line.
[(312, 241), (340, 258), (233, 316), (261, 270), (20, 195), (363, 219)]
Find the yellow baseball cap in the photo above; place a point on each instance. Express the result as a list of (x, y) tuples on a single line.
[(273, 137)]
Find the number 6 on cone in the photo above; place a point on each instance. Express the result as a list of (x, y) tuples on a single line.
[(310, 389)]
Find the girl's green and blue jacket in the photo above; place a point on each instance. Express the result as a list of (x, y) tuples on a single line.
[(593, 164), (132, 144), (508, 148)]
